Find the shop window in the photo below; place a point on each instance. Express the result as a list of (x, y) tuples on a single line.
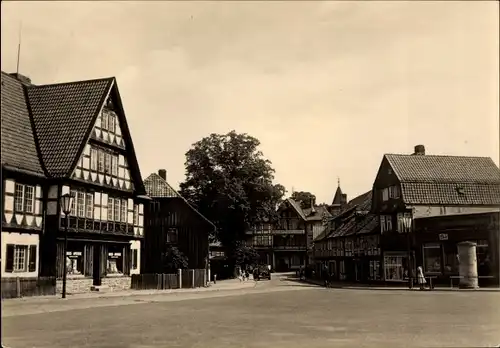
[(74, 261), (395, 268), (483, 258), (115, 260), (432, 258), (374, 270)]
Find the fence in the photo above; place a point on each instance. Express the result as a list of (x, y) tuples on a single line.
[(186, 278), (24, 287)]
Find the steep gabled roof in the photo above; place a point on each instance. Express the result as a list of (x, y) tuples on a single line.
[(452, 180), (296, 206), (337, 199), (157, 187), (318, 214), (18, 146), (444, 169), (63, 115), (349, 217)]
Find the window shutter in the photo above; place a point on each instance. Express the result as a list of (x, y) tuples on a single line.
[(32, 259), (9, 265)]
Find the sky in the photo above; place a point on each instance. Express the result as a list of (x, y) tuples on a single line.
[(327, 87)]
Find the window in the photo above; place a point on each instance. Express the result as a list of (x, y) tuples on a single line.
[(74, 260), (374, 270), (107, 163), (385, 194), (394, 191), (136, 214), (94, 158), (28, 198), (20, 258), (395, 268), (73, 202), (123, 211), (89, 205), (114, 165), (115, 261), (80, 204), (262, 240), (24, 198), (104, 120), (135, 258), (111, 123), (100, 163), (110, 209), (432, 258), (172, 235), (116, 212), (19, 198)]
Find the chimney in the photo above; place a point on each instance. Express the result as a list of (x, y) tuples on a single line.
[(313, 210), (419, 150), (163, 174), (24, 79)]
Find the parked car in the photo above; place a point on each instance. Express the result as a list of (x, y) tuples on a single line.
[(262, 272)]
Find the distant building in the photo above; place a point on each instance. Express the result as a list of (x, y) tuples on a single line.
[(172, 221), (350, 245), (286, 244)]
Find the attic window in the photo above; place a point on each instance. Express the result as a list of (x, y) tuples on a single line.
[(460, 189), (389, 171)]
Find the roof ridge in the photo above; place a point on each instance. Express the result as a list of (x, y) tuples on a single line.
[(71, 82), (424, 156), (179, 196)]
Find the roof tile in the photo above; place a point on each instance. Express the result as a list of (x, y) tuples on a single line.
[(452, 180), (63, 114), (18, 143)]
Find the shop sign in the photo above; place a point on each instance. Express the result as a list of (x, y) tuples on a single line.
[(73, 253), (443, 236), (114, 255)]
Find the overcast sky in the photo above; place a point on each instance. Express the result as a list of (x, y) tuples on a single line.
[(327, 87)]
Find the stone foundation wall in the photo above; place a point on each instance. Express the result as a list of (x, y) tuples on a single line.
[(117, 283), (75, 286), (83, 285)]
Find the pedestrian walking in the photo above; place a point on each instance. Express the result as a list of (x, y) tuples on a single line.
[(420, 278)]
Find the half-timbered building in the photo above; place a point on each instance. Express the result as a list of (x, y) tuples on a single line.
[(23, 185), (172, 221), (84, 148), (349, 249), (285, 244)]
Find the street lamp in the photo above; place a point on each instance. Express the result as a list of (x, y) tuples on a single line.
[(66, 201), (407, 224)]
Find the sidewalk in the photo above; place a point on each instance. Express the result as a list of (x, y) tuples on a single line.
[(44, 304), (343, 285)]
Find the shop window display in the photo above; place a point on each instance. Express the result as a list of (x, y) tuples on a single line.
[(395, 268), (432, 258)]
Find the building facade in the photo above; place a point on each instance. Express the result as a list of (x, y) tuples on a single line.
[(84, 148), (412, 187), (349, 249), (172, 221), (285, 244)]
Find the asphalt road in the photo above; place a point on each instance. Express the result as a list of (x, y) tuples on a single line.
[(274, 314)]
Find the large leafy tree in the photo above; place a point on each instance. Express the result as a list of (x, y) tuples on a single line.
[(245, 255), (231, 183), (304, 198)]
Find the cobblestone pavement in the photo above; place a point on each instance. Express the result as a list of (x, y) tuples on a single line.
[(277, 314)]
